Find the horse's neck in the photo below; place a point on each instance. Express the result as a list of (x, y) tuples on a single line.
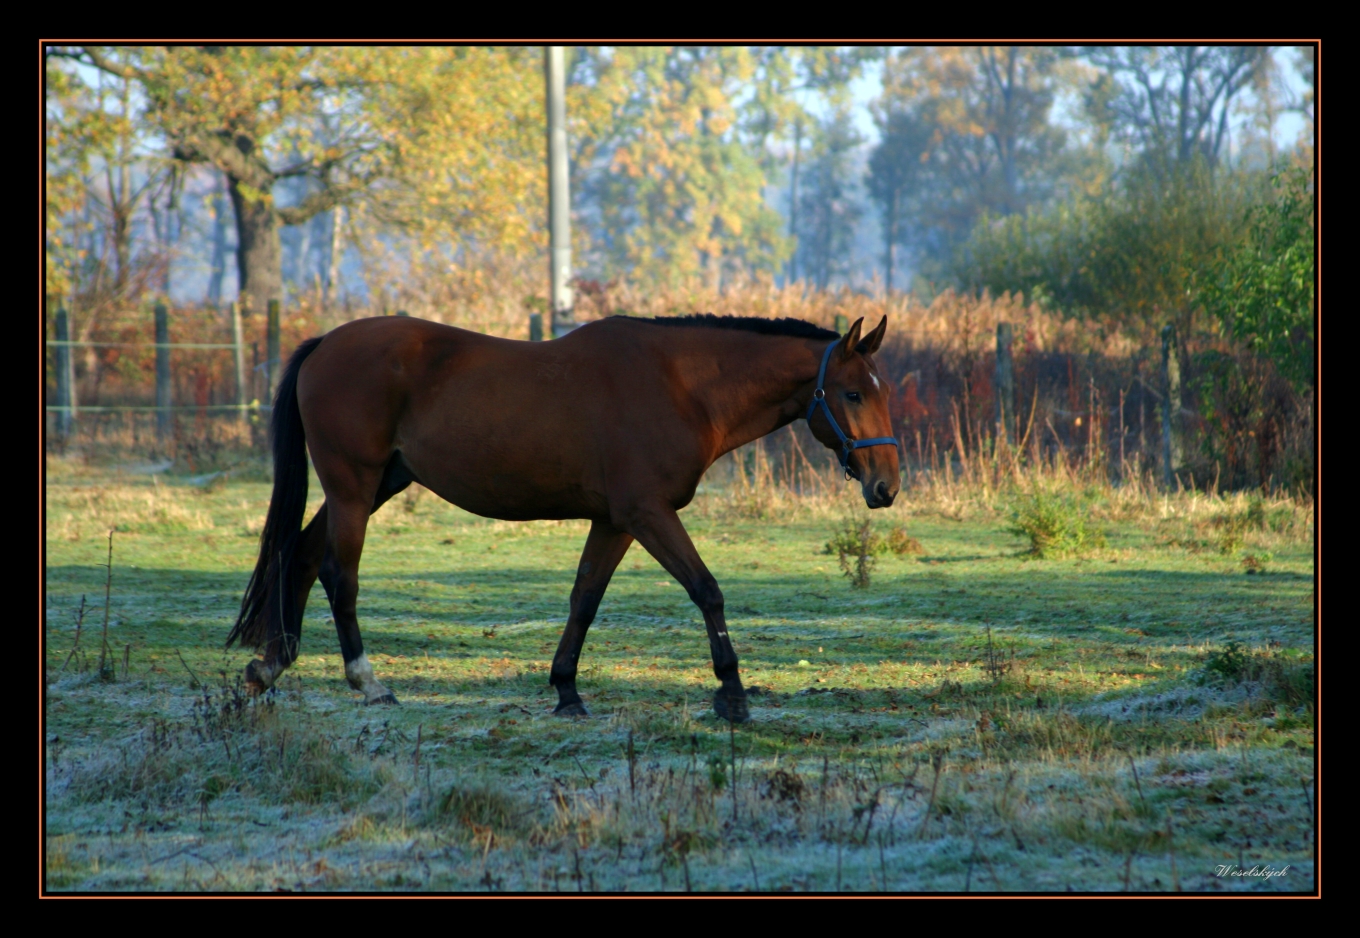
[(757, 387)]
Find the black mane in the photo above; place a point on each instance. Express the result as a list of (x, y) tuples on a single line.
[(797, 328)]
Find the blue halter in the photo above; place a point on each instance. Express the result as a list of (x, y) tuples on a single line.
[(848, 443)]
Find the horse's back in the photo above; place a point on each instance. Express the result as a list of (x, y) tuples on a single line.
[(503, 428)]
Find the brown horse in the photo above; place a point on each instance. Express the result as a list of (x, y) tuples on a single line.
[(615, 422)]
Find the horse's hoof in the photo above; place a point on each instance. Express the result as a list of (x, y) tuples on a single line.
[(573, 709), (384, 699), (731, 708), (254, 681)]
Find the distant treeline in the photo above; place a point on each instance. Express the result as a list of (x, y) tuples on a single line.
[(1122, 188)]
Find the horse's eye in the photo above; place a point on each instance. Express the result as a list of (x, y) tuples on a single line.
[(853, 396)]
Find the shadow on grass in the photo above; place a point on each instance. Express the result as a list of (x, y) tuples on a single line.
[(515, 616)]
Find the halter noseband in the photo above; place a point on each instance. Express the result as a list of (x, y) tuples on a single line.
[(848, 443)]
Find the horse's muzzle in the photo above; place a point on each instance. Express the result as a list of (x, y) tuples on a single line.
[(880, 495)]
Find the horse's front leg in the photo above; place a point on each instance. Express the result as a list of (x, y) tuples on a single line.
[(659, 530), (605, 547)]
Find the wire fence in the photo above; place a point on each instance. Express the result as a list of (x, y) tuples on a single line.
[(1163, 410)]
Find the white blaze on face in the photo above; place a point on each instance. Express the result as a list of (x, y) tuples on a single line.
[(874, 378)]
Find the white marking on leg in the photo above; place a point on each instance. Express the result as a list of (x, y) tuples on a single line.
[(265, 673), (359, 673)]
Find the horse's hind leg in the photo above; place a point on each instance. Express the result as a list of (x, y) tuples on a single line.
[(339, 567), (352, 494), (348, 522), (605, 547)]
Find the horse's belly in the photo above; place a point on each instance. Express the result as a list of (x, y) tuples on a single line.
[(509, 493), (522, 509)]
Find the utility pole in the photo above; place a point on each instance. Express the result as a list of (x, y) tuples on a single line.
[(792, 270), (559, 202)]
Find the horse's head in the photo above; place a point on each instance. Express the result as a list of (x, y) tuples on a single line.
[(857, 400)]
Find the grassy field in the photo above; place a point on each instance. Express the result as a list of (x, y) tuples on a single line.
[(1138, 717)]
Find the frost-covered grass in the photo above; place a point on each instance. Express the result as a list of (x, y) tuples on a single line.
[(895, 742)]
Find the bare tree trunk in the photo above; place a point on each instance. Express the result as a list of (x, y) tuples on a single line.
[(174, 222), (86, 334), (1009, 167), (301, 278), (713, 270), (120, 219), (337, 249), (890, 243), (166, 227), (122, 203), (258, 254), (219, 248)]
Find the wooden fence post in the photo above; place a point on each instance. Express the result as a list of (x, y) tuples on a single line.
[(1005, 382), (272, 366), (63, 374), (162, 372), (1121, 434), (842, 323), (535, 327), (1171, 406), (239, 353)]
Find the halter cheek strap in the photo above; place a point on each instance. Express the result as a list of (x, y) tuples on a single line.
[(848, 443)]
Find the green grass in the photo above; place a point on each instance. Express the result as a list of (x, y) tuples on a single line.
[(908, 753)]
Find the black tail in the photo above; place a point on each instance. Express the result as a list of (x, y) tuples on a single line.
[(263, 614)]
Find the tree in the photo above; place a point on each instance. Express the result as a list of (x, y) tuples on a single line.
[(675, 146), (827, 212), (428, 139), (1136, 252), (1171, 104), (99, 164), (895, 179), (679, 194), (217, 208), (965, 131), (1263, 289), (434, 156), (1133, 256), (67, 162)]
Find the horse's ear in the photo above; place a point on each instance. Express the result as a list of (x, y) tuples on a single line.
[(849, 341), (870, 343)]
